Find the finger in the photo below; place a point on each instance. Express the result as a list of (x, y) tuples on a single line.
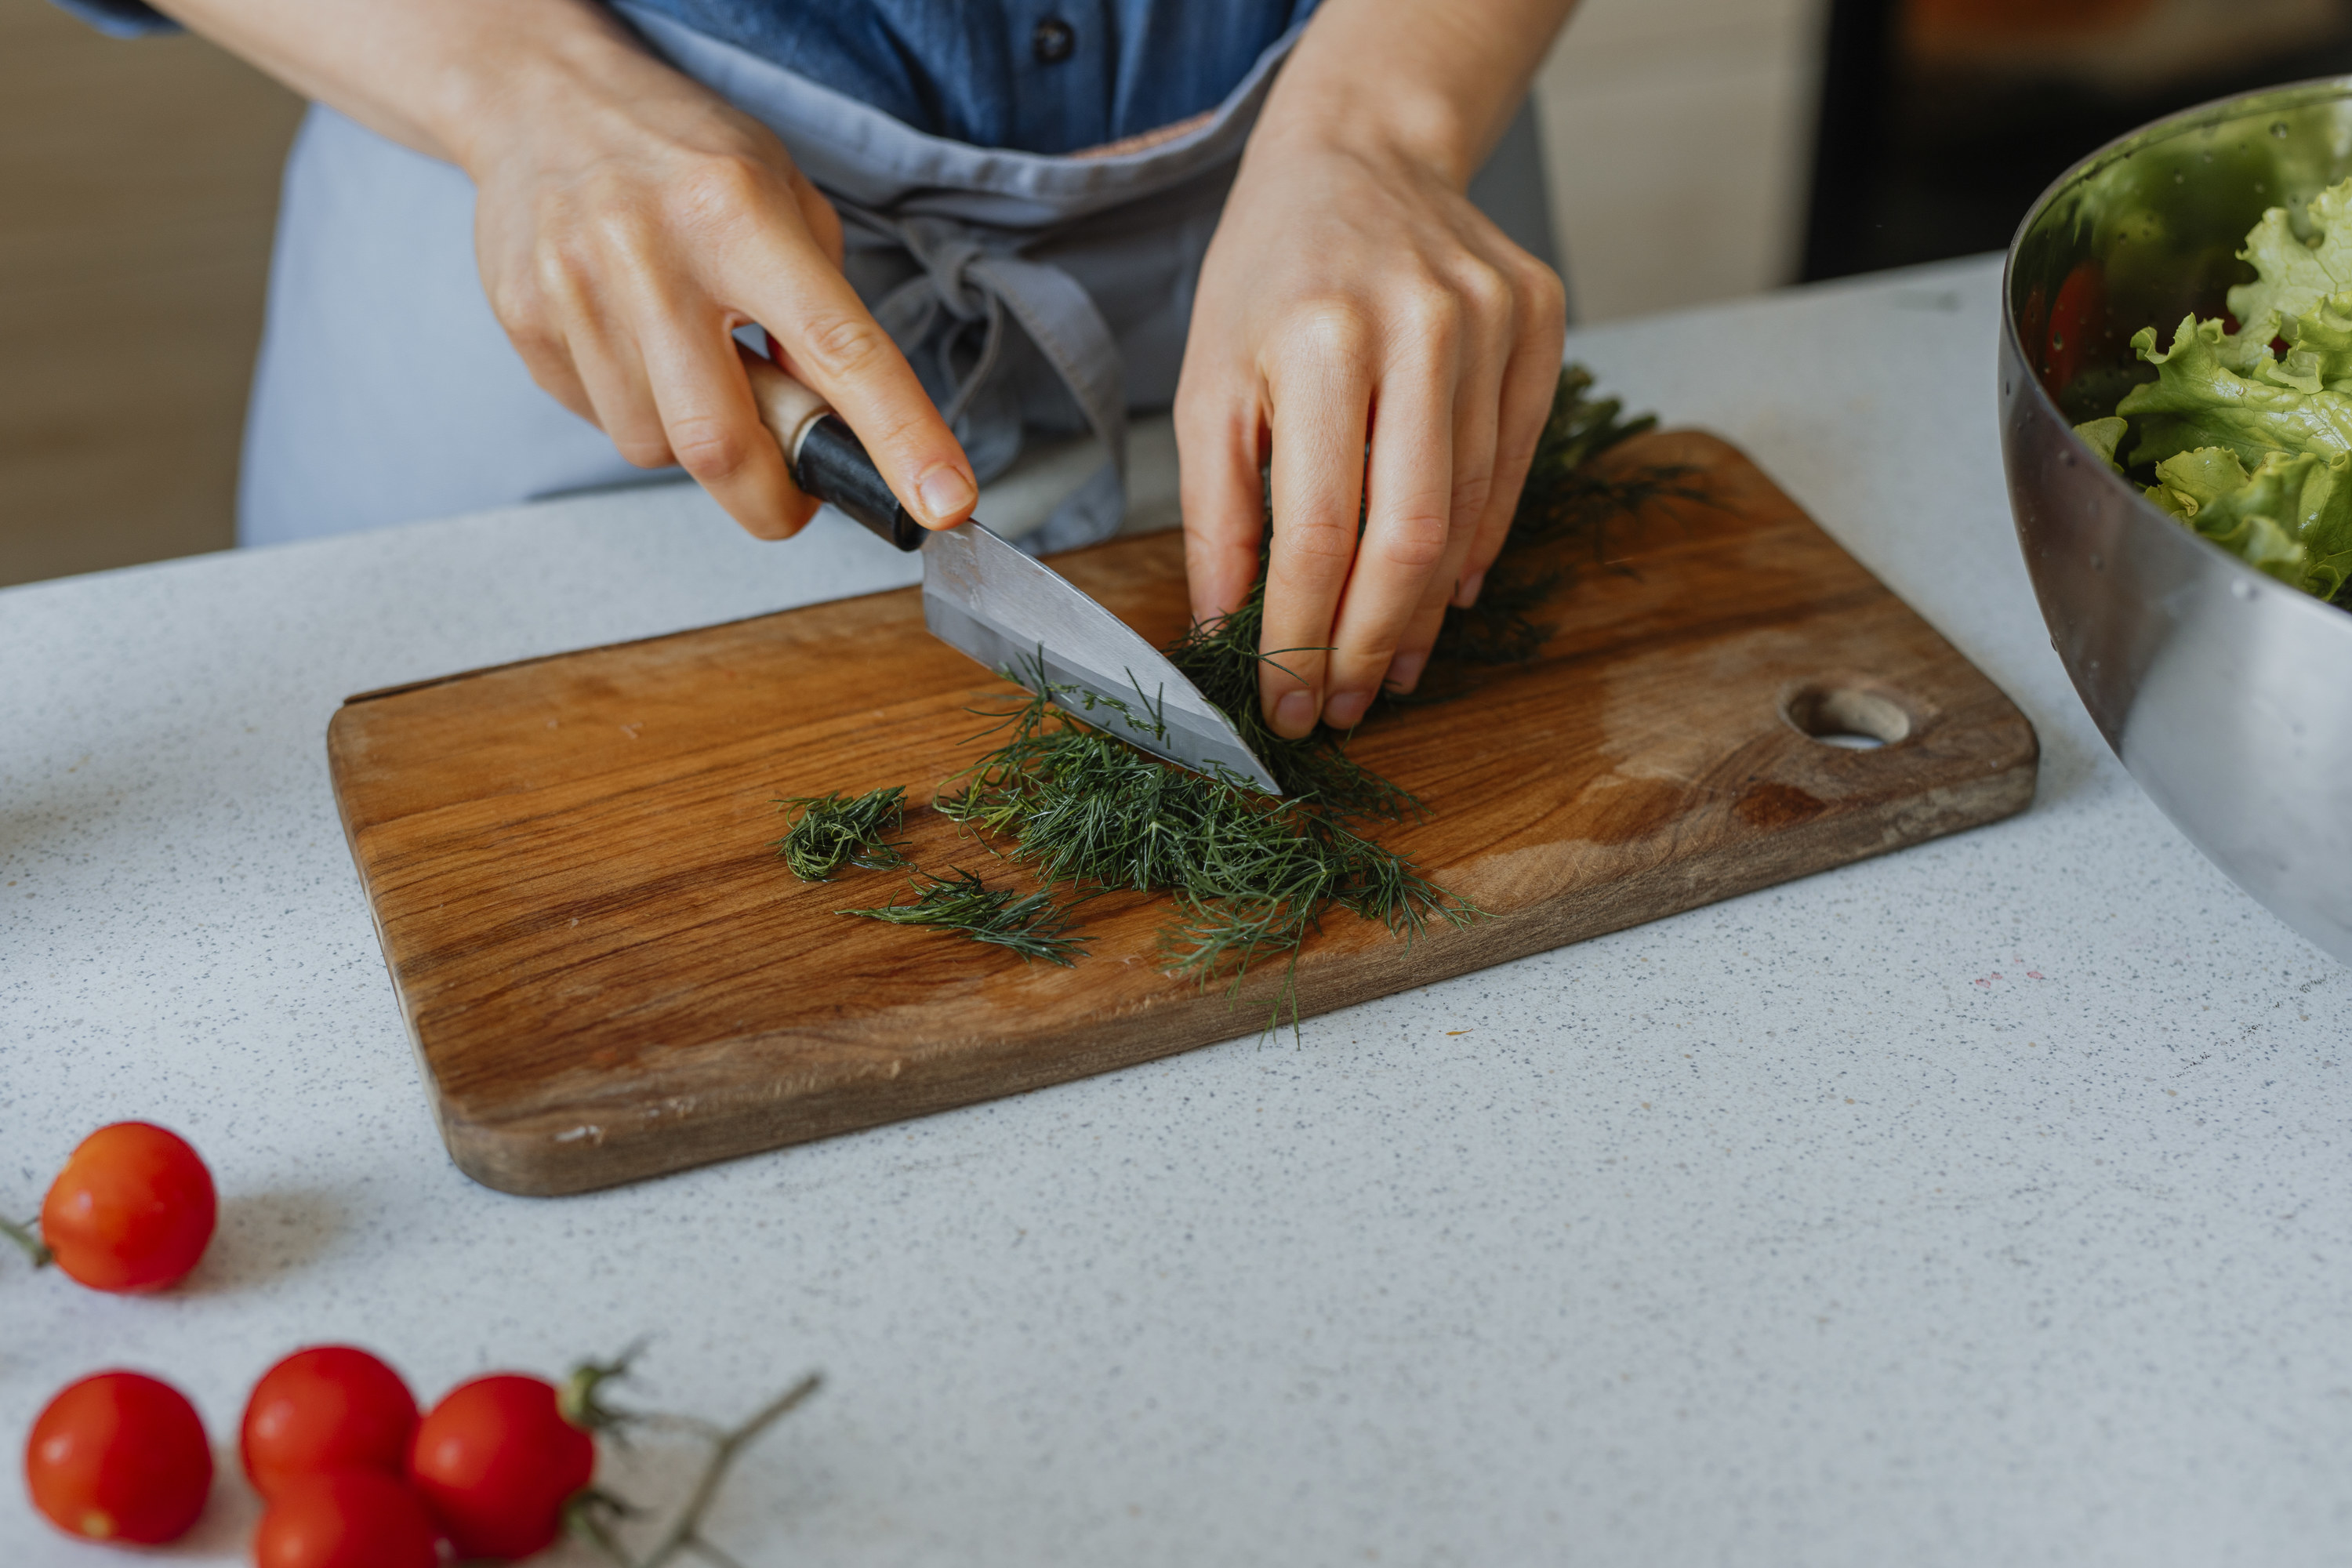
[(1321, 412), (1409, 511), (830, 342), (1476, 416), (605, 357), (614, 373), (1222, 498), (710, 423), (550, 363), (555, 323), (1528, 384)]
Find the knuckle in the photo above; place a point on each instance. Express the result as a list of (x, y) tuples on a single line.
[(845, 346), (708, 448), (1488, 292), (1318, 542), (516, 301), (564, 276), (718, 188), (1331, 329), (642, 450), (1429, 313), (1414, 541)]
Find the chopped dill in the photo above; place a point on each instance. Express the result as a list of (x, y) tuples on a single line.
[(1030, 925), (834, 829), (1251, 875)]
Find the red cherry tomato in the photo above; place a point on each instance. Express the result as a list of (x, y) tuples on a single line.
[(345, 1519), (131, 1210), (330, 1407), (2076, 316), (497, 1461), (120, 1457)]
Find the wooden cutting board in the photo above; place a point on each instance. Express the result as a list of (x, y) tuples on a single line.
[(608, 974)]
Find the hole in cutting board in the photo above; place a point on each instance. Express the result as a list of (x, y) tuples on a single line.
[(1848, 717)]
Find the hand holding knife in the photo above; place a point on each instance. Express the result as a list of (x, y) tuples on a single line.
[(1011, 613)]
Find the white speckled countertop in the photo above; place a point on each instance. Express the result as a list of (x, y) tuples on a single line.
[(1985, 1203)]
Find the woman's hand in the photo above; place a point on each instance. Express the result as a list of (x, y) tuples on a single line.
[(1359, 322), (628, 221)]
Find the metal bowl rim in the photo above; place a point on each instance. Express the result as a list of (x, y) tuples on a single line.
[(2296, 94)]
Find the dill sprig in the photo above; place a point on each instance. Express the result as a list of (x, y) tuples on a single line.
[(1030, 924), (836, 829)]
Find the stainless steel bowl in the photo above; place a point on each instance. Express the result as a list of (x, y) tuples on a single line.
[(2227, 694)]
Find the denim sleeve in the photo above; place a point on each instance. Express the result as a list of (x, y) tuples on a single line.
[(119, 19)]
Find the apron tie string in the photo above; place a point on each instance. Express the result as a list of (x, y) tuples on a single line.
[(962, 285)]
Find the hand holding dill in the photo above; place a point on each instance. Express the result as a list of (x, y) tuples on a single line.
[(1251, 875)]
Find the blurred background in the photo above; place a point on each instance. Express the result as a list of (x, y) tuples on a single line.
[(1698, 150)]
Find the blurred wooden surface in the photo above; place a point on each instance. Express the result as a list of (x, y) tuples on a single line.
[(138, 185)]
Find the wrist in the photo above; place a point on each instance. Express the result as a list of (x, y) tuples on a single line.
[(506, 91), (1403, 124)]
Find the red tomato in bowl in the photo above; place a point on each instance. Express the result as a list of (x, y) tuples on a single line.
[(120, 1457), (131, 1210), (497, 1461), (329, 1407), (345, 1519)]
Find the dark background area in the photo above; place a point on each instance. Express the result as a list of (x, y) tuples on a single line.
[(1941, 121)]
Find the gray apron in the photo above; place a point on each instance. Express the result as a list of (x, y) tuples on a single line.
[(1035, 296)]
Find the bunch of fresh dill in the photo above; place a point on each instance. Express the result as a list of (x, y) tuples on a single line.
[(1251, 874)]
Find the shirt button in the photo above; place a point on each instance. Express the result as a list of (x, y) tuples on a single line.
[(1054, 41)]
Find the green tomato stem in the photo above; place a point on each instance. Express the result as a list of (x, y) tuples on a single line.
[(593, 1512), (29, 1239)]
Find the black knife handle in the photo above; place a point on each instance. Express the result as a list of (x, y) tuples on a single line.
[(827, 460), (833, 467)]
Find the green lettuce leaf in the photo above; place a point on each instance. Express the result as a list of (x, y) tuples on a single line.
[(2319, 357), (2291, 516), (2198, 399), (2296, 276), (2101, 435)]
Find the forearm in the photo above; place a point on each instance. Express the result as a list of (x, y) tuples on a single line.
[(1435, 80), (442, 76)]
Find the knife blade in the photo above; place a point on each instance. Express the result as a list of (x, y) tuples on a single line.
[(1005, 608)]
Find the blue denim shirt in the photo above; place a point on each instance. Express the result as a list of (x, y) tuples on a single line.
[(1042, 76)]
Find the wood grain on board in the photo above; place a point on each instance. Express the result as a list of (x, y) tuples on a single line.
[(608, 974)]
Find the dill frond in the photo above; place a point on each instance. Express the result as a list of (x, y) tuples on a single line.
[(834, 829), (1032, 924)]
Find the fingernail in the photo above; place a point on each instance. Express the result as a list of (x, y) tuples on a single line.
[(1404, 670), (945, 493), (1293, 714), (1346, 708), (1466, 592)]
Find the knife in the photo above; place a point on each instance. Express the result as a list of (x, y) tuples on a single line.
[(1010, 611)]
